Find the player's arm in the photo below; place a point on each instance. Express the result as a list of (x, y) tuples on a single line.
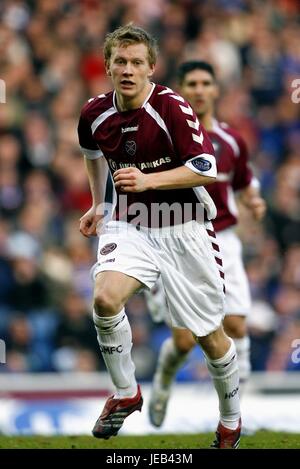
[(250, 197), (246, 184), (133, 180), (97, 171)]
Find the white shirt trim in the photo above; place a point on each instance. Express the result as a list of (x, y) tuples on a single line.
[(224, 177), (204, 197), (105, 115), (154, 114), (91, 154), (227, 137), (143, 105), (149, 95)]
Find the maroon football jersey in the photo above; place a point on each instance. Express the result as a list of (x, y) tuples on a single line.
[(233, 173), (164, 133)]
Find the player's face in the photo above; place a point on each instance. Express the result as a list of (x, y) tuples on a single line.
[(200, 89), (130, 71)]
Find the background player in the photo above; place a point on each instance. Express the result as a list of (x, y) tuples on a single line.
[(157, 153), (198, 85)]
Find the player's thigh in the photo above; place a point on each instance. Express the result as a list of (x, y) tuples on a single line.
[(112, 289)]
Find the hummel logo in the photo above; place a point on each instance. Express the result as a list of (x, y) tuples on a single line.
[(108, 260), (129, 129)]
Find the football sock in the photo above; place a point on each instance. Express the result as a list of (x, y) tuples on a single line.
[(243, 357), (225, 374), (169, 360), (115, 341)]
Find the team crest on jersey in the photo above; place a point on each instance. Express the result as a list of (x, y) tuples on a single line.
[(130, 147), (108, 248), (201, 164)]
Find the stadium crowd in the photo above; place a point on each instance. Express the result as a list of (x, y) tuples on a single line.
[(51, 63)]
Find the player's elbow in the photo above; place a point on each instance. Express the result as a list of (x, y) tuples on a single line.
[(208, 180)]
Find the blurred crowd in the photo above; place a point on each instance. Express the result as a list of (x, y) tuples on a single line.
[(51, 63)]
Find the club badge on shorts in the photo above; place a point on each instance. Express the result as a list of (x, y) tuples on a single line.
[(108, 248)]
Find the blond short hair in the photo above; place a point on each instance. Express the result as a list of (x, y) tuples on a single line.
[(127, 35)]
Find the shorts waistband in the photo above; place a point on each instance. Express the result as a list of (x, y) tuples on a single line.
[(184, 228)]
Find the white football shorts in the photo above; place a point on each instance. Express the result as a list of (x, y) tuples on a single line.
[(237, 299), (185, 256)]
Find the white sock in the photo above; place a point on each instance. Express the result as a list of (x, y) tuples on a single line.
[(225, 374), (169, 361), (115, 341), (243, 357)]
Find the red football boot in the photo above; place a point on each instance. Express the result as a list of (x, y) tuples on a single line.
[(114, 413), (226, 438)]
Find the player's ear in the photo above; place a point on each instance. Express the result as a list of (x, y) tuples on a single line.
[(107, 69), (152, 69)]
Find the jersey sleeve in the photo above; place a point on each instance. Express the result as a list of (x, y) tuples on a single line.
[(242, 174), (189, 138), (86, 141)]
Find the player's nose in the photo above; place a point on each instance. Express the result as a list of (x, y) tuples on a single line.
[(199, 90), (127, 69)]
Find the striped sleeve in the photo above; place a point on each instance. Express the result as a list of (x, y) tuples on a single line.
[(190, 140)]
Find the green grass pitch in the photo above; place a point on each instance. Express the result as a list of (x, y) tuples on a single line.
[(260, 440)]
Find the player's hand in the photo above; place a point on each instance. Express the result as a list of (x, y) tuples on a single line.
[(89, 222), (257, 205), (131, 180)]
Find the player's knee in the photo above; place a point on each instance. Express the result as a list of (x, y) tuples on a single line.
[(215, 344), (236, 329), (211, 347), (104, 303), (184, 342)]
